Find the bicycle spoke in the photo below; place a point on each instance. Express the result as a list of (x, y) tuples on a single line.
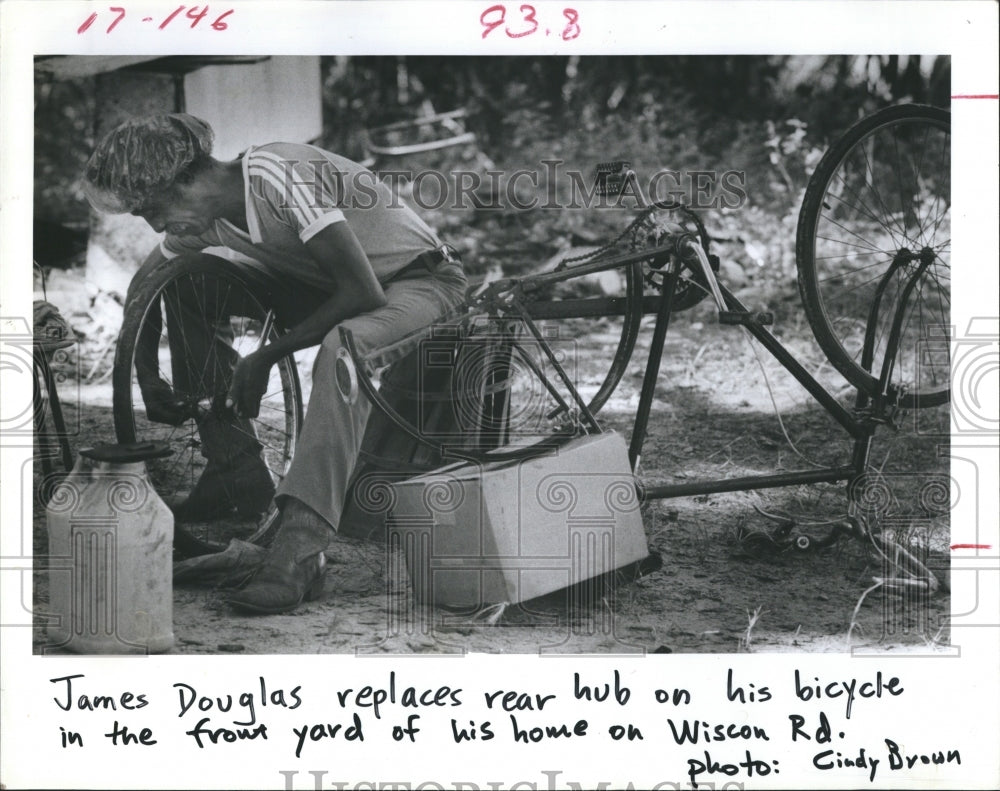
[(919, 171), (862, 209), (852, 256), (856, 286), (215, 306), (866, 246), (851, 273), (869, 183), (899, 179)]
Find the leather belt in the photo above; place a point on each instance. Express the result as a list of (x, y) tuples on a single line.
[(429, 261)]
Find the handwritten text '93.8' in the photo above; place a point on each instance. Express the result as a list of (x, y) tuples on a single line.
[(525, 22)]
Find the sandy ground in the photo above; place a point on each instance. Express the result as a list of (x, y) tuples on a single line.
[(716, 591)]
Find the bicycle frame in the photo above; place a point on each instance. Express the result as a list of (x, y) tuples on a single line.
[(860, 425), (511, 297)]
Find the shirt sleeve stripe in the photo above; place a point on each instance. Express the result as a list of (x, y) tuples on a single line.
[(300, 207), (324, 220), (289, 188), (273, 170), (302, 218), (304, 188), (273, 164)]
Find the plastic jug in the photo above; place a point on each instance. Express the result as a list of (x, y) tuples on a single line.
[(111, 555)]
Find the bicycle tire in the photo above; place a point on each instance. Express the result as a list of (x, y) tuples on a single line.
[(631, 320), (527, 410), (501, 377), (277, 427), (877, 201)]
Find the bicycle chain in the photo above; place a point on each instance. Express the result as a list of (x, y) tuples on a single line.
[(607, 248)]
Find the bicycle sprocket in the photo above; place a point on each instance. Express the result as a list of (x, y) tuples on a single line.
[(648, 233)]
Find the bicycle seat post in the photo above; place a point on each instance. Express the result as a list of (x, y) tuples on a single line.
[(653, 363)]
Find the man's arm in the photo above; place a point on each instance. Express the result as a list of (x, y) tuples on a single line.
[(339, 253)]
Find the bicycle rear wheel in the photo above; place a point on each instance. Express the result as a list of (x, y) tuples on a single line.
[(602, 328), (876, 215), (596, 331), (151, 331), (516, 371)]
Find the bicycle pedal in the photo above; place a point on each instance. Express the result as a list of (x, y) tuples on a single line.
[(611, 184), (746, 318), (615, 166), (612, 177)]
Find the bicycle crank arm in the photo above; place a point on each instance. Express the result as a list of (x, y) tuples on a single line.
[(727, 317), (687, 244), (746, 318)]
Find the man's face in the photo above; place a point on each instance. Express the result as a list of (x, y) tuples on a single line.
[(183, 210)]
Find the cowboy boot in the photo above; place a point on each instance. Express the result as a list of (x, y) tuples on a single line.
[(293, 570), (235, 476)]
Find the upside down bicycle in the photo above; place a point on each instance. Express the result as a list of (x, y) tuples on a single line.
[(873, 261)]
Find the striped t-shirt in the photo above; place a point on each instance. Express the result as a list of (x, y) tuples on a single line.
[(293, 191)]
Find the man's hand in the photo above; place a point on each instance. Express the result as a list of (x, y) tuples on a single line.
[(162, 404), (249, 385)]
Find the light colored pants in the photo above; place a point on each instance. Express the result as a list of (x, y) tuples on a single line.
[(328, 445)]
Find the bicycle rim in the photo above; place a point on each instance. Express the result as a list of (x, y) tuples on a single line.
[(877, 209), (276, 427), (542, 375)]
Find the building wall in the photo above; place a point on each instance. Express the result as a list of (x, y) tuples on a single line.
[(250, 104), (247, 103), (118, 243)]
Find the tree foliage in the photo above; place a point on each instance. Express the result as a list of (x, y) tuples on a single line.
[(767, 115), (715, 93)]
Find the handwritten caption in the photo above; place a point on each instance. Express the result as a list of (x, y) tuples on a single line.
[(816, 719), (525, 22), (517, 23), (194, 14)]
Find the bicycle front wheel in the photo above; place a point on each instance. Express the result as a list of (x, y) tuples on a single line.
[(874, 240), (153, 340)]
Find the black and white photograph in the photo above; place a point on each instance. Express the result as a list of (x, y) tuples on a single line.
[(632, 353), (466, 396)]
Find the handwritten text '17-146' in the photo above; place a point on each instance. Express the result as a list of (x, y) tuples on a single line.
[(194, 13)]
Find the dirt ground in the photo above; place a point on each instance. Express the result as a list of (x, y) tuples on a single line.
[(722, 587)]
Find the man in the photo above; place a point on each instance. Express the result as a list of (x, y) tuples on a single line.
[(334, 248)]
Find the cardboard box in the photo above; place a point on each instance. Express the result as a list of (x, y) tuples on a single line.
[(476, 535)]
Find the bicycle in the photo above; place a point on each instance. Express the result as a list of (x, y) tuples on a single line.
[(873, 260), (151, 325)]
